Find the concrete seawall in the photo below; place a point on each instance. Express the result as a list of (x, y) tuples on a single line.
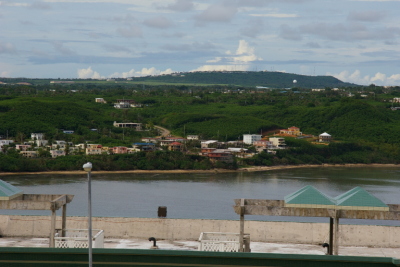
[(190, 229)]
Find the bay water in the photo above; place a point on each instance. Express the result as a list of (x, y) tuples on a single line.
[(204, 195)]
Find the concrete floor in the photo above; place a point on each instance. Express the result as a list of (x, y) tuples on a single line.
[(257, 247)]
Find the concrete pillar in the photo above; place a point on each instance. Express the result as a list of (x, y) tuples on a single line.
[(241, 236), (330, 250), (336, 237), (64, 220), (52, 228)]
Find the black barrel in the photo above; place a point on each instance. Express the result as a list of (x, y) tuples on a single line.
[(162, 212)]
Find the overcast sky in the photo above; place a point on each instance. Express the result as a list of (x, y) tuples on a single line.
[(354, 40)]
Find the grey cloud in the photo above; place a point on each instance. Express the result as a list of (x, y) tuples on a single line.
[(350, 32), (40, 5), (130, 32), (116, 48), (59, 47), (339, 32), (159, 22), (261, 3), (7, 48), (383, 53), (253, 28), (289, 33), (391, 43), (180, 6), (217, 13), (367, 16), (128, 18), (174, 35), (190, 47), (96, 35), (252, 3), (312, 45), (26, 23)]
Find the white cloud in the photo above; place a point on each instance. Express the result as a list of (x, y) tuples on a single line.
[(238, 60), (89, 74), (244, 53), (357, 78), (222, 68), (215, 60)]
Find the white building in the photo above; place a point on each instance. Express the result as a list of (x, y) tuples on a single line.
[(135, 125), (192, 137), (204, 144), (100, 100), (4, 142), (37, 136), (57, 153), (121, 105), (325, 137), (250, 138)]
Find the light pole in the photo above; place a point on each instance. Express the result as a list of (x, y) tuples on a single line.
[(88, 168)]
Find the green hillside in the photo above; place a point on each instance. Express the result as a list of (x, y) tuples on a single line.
[(365, 127), (248, 78)]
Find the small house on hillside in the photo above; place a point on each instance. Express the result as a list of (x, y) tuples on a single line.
[(175, 146), (291, 131), (324, 137)]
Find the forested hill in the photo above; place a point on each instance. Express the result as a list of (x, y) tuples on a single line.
[(249, 78)]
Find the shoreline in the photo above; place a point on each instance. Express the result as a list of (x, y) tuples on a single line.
[(246, 169)]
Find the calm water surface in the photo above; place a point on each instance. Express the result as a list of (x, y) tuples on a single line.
[(204, 196)]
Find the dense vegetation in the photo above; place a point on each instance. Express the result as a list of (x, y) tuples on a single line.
[(158, 160), (364, 128)]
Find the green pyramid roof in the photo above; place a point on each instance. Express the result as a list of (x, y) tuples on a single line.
[(355, 199), (358, 197), (8, 191), (308, 195)]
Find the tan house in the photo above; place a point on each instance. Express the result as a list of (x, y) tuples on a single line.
[(29, 154), (57, 153), (120, 150), (175, 146), (22, 147), (94, 149), (291, 131), (278, 142)]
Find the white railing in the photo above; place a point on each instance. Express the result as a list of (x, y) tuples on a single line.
[(78, 238), (223, 242)]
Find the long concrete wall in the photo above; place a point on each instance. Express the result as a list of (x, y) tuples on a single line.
[(190, 229)]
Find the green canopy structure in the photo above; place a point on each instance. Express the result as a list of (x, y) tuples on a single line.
[(310, 202), (309, 197), (12, 198), (359, 199), (8, 191)]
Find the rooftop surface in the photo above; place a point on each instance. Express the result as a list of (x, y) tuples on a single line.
[(258, 247)]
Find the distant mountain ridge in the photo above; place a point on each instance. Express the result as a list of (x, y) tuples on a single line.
[(248, 78)]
